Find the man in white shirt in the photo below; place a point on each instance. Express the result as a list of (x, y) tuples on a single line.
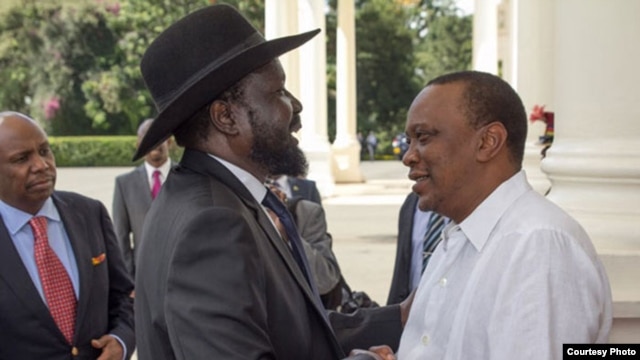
[(515, 276), (419, 233)]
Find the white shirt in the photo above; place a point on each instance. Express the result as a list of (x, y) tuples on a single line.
[(283, 185), (164, 172), (515, 280)]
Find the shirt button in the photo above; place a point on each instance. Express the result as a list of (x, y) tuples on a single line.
[(74, 351), (443, 282), (425, 340)]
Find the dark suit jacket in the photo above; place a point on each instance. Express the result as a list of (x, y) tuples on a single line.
[(216, 281), (131, 201), (304, 188), (27, 330), (400, 283)]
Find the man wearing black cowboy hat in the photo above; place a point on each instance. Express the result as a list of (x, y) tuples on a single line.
[(219, 275)]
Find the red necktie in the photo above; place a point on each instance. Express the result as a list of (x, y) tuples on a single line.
[(56, 284), (155, 189)]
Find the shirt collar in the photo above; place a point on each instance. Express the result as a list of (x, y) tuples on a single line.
[(15, 219), (164, 169), (478, 226), (255, 186)]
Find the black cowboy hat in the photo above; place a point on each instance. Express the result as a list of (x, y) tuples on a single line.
[(199, 57)]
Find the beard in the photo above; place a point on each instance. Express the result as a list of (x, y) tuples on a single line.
[(277, 153)]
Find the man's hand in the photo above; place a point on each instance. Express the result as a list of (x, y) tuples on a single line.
[(111, 348), (382, 352)]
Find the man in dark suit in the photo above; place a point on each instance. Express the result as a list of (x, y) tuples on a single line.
[(133, 194), (64, 290), (413, 226), (215, 279), (296, 186)]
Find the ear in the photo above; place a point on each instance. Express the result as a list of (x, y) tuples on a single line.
[(221, 117), (493, 140)]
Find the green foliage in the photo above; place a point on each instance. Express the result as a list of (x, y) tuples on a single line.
[(74, 64), (385, 62), (54, 50), (447, 47), (399, 45), (98, 150)]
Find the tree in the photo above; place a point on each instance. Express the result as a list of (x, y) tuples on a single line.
[(443, 43), (76, 66), (46, 52), (385, 62)]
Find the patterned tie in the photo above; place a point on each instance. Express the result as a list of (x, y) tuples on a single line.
[(157, 184), (432, 237), (56, 284), (272, 202)]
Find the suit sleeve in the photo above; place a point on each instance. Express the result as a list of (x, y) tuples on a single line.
[(122, 226), (368, 327), (317, 245), (400, 287), (212, 311), (120, 288), (315, 194)]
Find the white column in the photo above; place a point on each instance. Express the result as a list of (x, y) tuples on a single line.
[(594, 163), (281, 19), (346, 147), (305, 68), (313, 94), (485, 36), (533, 35)]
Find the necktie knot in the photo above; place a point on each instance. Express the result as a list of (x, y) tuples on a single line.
[(275, 204), (39, 227), (157, 184)]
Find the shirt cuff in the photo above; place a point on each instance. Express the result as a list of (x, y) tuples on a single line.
[(124, 347)]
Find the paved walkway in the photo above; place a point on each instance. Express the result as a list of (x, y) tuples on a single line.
[(362, 218)]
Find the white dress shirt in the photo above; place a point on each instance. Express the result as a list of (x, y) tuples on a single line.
[(164, 172), (515, 280)]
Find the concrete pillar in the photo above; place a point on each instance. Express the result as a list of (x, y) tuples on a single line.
[(281, 19), (346, 147), (306, 78), (532, 73), (313, 93), (485, 36), (594, 163)]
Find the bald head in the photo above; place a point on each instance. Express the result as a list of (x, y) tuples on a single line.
[(27, 165), (158, 155)]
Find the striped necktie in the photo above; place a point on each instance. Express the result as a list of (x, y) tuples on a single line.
[(432, 237)]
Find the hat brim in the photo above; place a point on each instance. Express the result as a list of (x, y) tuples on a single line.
[(211, 85)]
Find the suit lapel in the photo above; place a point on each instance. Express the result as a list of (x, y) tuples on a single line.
[(73, 221), (142, 186), (15, 275), (205, 164)]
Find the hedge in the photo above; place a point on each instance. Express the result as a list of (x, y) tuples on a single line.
[(81, 151)]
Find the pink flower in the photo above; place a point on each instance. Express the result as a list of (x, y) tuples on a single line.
[(51, 107), (113, 8), (537, 113)]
